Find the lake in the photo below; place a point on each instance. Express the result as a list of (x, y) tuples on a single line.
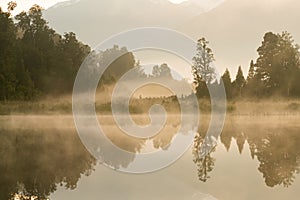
[(257, 157)]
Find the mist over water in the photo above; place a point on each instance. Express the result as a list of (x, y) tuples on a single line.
[(148, 114), (42, 156)]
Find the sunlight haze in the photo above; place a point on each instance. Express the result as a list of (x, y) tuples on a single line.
[(177, 1), (25, 5)]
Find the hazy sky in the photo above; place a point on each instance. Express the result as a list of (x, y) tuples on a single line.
[(26, 4), (177, 1), (234, 28), (159, 59)]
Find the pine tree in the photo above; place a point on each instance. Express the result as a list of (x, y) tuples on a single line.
[(278, 64), (227, 83), (203, 60), (202, 69), (239, 82), (251, 72)]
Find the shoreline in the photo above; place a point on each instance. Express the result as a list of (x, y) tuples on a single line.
[(282, 107)]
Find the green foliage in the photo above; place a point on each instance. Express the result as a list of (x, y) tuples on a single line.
[(117, 62), (35, 60), (277, 67), (239, 83), (276, 71), (162, 71), (202, 70), (15, 82), (251, 72), (124, 62), (227, 83), (202, 62)]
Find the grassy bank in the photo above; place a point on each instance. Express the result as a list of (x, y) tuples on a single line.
[(241, 107)]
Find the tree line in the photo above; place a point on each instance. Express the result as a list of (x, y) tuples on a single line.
[(275, 72), (36, 61)]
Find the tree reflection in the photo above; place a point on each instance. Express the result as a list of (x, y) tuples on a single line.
[(205, 162), (279, 156), (275, 147), (34, 163)]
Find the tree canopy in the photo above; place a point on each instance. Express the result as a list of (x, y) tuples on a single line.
[(275, 72), (37, 61)]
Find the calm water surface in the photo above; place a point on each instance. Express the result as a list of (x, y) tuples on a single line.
[(256, 158)]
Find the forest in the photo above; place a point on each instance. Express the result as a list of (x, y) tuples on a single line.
[(36, 61), (274, 73)]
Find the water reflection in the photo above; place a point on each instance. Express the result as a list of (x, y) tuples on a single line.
[(39, 159), (275, 146), (38, 155), (205, 163), (33, 163), (279, 156)]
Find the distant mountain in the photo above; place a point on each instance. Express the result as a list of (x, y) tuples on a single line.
[(234, 28), (95, 20)]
